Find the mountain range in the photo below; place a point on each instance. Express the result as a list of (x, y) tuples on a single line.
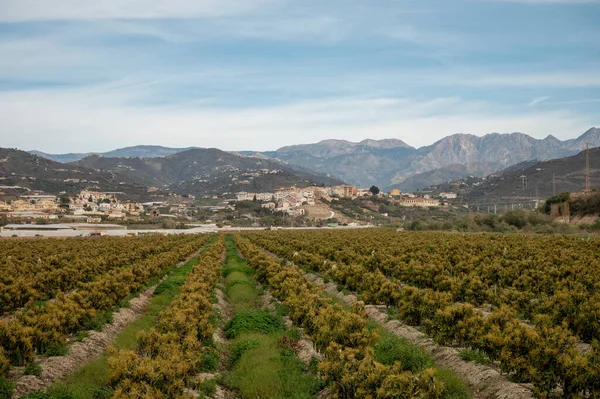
[(394, 164), (529, 180), (141, 151), (195, 171), (389, 163)]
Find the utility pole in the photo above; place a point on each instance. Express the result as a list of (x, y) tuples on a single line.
[(587, 167), (524, 180)]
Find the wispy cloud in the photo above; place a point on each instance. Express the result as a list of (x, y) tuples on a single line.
[(237, 73), (570, 2), (42, 10), (103, 117), (581, 78), (587, 101), (537, 101)]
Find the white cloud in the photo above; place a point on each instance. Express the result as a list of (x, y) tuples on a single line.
[(560, 79), (537, 101), (586, 101), (32, 10), (570, 2), (104, 118)]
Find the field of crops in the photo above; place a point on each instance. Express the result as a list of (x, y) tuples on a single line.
[(531, 304), (55, 288)]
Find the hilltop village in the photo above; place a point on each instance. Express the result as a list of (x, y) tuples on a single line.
[(96, 206)]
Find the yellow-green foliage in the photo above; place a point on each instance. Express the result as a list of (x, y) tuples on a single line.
[(34, 329), (438, 280), (4, 363), (349, 365), (171, 352)]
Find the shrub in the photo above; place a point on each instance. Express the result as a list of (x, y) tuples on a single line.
[(33, 369), (57, 349), (210, 360), (259, 321), (474, 355)]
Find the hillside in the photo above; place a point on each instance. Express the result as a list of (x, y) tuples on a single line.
[(203, 171), (507, 185), (142, 151), (394, 164), (19, 168), (389, 163)]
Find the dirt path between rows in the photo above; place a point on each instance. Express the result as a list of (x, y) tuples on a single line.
[(226, 314), (484, 381), (58, 367)]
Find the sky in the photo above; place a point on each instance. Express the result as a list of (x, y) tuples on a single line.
[(82, 75)]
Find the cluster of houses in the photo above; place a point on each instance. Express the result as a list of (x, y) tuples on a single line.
[(89, 205), (97, 203), (289, 200), (94, 206), (31, 206)]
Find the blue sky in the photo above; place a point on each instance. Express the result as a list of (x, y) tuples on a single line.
[(79, 75)]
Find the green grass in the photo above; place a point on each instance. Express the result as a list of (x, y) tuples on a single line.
[(240, 287), (389, 349), (474, 355), (255, 320), (89, 381), (260, 367), (99, 321), (456, 388), (6, 388), (207, 389), (264, 370), (57, 349), (239, 348), (241, 296), (33, 369)]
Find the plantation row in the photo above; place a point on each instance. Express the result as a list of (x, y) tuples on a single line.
[(36, 270), (557, 277), (171, 353), (46, 327), (373, 263), (349, 367)]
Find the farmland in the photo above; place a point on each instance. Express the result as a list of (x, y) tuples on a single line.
[(530, 304), (301, 314)]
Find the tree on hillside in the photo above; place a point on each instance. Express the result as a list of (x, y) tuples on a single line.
[(374, 190)]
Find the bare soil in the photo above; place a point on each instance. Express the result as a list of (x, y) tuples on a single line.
[(224, 309)]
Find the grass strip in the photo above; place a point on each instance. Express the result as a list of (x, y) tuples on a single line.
[(262, 364)]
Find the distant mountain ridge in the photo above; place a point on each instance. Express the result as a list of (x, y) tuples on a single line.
[(530, 180), (196, 171), (395, 164), (205, 170), (391, 163), (20, 168), (142, 151)]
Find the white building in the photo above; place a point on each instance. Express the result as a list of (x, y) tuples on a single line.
[(448, 195)]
